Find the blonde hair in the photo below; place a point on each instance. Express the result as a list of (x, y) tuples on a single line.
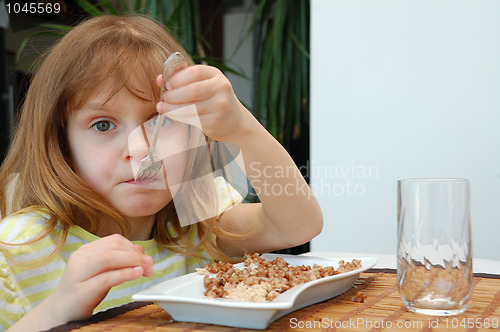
[(37, 171)]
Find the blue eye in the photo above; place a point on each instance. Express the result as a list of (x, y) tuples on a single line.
[(103, 126), (153, 121)]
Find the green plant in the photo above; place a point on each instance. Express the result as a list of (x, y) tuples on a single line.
[(281, 80), (181, 17), (281, 77)]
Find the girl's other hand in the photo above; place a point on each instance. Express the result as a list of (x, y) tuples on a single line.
[(216, 108), (90, 273)]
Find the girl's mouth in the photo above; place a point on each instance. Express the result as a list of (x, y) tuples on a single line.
[(141, 182)]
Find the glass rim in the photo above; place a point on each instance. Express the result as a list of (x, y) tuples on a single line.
[(435, 180)]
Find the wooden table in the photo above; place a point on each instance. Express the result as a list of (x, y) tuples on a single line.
[(382, 310)]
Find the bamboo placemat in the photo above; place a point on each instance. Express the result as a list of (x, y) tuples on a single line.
[(381, 310)]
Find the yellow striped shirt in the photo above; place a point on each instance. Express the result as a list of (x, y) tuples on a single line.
[(22, 288)]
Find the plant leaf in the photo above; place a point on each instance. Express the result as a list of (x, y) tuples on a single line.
[(57, 26), (111, 9), (125, 7), (90, 8), (25, 41), (138, 6)]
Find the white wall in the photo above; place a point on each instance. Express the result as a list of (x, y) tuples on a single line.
[(400, 89)]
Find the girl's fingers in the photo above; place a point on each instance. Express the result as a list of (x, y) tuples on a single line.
[(187, 114), (201, 109), (113, 252), (147, 265), (196, 116), (139, 248), (192, 93), (104, 281), (91, 292), (94, 269), (114, 241), (109, 260), (203, 97), (190, 75)]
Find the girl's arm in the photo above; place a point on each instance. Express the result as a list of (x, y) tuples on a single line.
[(288, 214), (279, 221), (90, 273)]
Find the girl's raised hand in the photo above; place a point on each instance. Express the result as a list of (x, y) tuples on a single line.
[(203, 97), (90, 273)]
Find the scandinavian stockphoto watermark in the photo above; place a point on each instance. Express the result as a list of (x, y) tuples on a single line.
[(179, 143), (326, 180)]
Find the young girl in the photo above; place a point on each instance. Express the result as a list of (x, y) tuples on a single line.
[(85, 235)]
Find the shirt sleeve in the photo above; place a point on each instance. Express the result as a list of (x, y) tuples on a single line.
[(227, 196), (11, 309), (17, 229)]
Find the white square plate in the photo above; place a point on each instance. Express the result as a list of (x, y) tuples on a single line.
[(183, 298)]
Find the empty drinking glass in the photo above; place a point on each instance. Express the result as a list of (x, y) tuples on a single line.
[(434, 245)]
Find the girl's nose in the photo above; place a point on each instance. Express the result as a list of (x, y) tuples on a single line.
[(138, 143)]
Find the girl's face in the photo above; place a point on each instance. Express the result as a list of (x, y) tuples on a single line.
[(105, 150)]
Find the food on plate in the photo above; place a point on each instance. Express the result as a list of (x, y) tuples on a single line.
[(359, 297), (262, 280)]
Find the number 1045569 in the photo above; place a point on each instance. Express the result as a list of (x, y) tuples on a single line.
[(471, 323), (33, 8)]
